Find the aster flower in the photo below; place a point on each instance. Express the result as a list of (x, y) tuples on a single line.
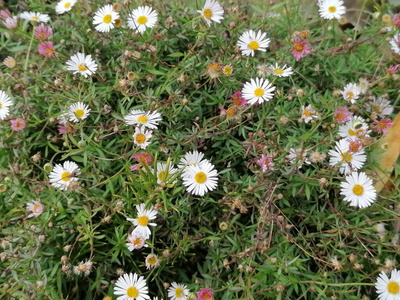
[(251, 41), (4, 14), (9, 62), (281, 71), (136, 241), (265, 162), (381, 106), (348, 161), (331, 9), (35, 207), (298, 156), (82, 64), (34, 16), (11, 23), (63, 175), (152, 261), (46, 49), (396, 20), (238, 100), (178, 291), (308, 113), (227, 70), (395, 43), (258, 91), (17, 124), (131, 287), (142, 157), (64, 6), (351, 93), (42, 32), (5, 103), (83, 268), (300, 48), (191, 158), (382, 125), (142, 221), (388, 289), (212, 11), (201, 178), (354, 128), (104, 18), (205, 294), (163, 175), (142, 18), (147, 119), (78, 112), (142, 137), (358, 190), (342, 114)]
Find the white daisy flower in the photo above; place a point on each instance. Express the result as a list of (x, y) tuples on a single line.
[(78, 112), (358, 190), (131, 287), (162, 173), (148, 119), (280, 71), (351, 92), (136, 241), (104, 18), (298, 157), (251, 41), (201, 178), (35, 207), (388, 289), (381, 106), (141, 18), (212, 11), (34, 16), (152, 261), (5, 103), (308, 113), (395, 43), (64, 5), (142, 221), (178, 291), (258, 91), (354, 128), (83, 64), (141, 137), (62, 175), (331, 9), (348, 161), (191, 158)]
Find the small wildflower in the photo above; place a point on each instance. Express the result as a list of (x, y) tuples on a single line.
[(354, 128), (205, 294), (258, 91), (317, 157), (4, 14), (131, 287), (63, 175), (83, 268), (213, 70), (348, 161), (201, 178), (35, 207), (142, 136), (281, 71), (342, 114), (300, 48), (331, 9), (358, 190), (83, 64), (178, 291), (251, 41), (388, 288), (382, 125), (238, 100), (227, 70), (142, 157), (142, 221), (34, 16), (395, 43), (265, 162), (308, 113), (64, 6), (46, 49), (42, 32), (381, 106), (392, 69), (351, 93), (11, 23), (149, 119), (337, 265), (18, 124), (298, 157), (136, 241), (396, 20), (152, 261), (355, 145), (78, 112), (212, 11), (142, 18), (5, 103), (9, 62)]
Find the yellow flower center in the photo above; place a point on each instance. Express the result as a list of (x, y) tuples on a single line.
[(358, 190), (107, 19), (346, 156), (278, 71), (143, 220), (18, 124), (259, 92), (298, 47), (118, 23), (49, 51), (162, 175), (35, 18), (142, 20), (137, 242), (231, 111), (132, 292), (67, 5), (152, 260), (353, 133), (66, 176), (393, 287), (0, 105), (332, 9), (253, 45), (142, 119), (79, 113), (140, 138), (131, 75), (306, 113), (178, 292), (350, 95), (82, 67), (200, 177), (227, 71), (35, 207), (207, 13)]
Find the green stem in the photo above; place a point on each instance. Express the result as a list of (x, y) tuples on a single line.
[(29, 50)]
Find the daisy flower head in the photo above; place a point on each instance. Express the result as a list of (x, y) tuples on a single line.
[(251, 41), (141, 137), (395, 43), (35, 207), (308, 113), (331, 9), (201, 178), (388, 289), (141, 18), (9, 62), (63, 175), (178, 291), (5, 103), (78, 112), (351, 93), (11, 23), (82, 64), (152, 261), (281, 71), (163, 175), (227, 70), (47, 49), (205, 294), (238, 100), (104, 18), (147, 119), (17, 124), (342, 114), (258, 90), (142, 221), (191, 158), (358, 190), (300, 48), (34, 16), (265, 162), (298, 157), (212, 11), (381, 106), (4, 14), (131, 287), (348, 161), (396, 20), (382, 125), (354, 128), (136, 241), (42, 32), (64, 5)]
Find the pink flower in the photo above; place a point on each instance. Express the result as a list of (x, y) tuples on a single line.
[(4, 14), (17, 124), (342, 114), (10, 23), (46, 49), (354, 145), (205, 294), (396, 20), (43, 32), (35, 207), (392, 69), (238, 100), (66, 128), (300, 48), (382, 125), (265, 162), (142, 157)]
